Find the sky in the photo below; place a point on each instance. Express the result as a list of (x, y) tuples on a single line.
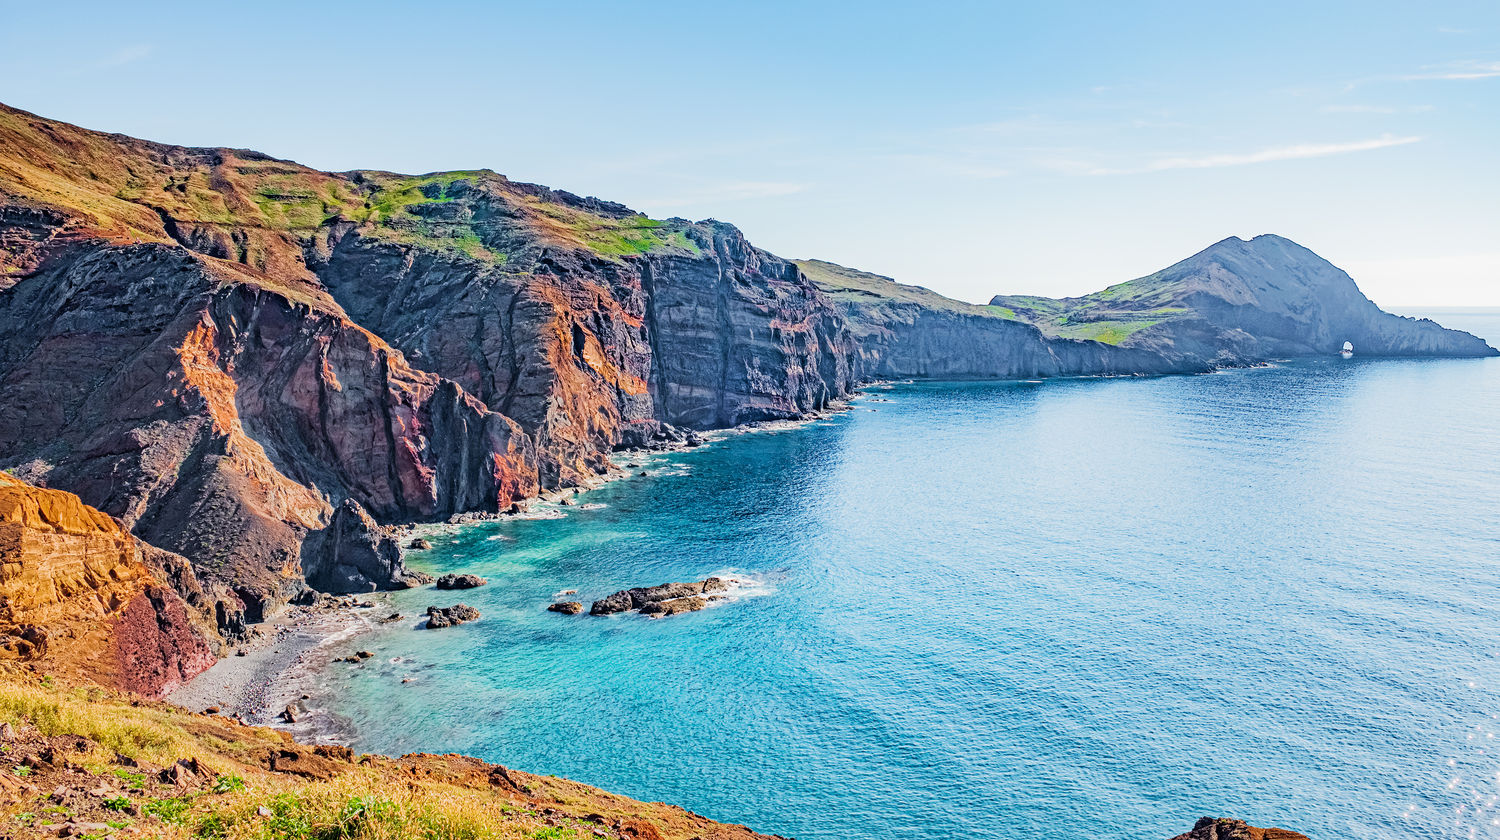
[(976, 148)]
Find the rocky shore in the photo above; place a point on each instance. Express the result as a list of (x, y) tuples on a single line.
[(272, 671)]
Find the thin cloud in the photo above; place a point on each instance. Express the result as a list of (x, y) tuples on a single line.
[(1462, 72), (1276, 153), (125, 55), (1376, 109), (1358, 109)]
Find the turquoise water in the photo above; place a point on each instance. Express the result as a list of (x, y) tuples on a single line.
[(1088, 608)]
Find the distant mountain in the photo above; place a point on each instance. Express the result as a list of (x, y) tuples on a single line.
[(1238, 302)]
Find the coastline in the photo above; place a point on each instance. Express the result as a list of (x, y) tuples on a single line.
[(279, 666), (272, 671)]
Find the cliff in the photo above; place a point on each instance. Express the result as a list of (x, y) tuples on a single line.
[(80, 596), (902, 331), (1240, 302), (255, 365), (1236, 303)]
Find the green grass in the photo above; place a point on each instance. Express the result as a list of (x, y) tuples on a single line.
[(861, 288), (75, 713), (172, 809)]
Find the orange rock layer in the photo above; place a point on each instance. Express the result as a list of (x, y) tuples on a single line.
[(74, 585)]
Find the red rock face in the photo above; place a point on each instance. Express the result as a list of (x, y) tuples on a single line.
[(576, 347), (156, 648), (216, 414)]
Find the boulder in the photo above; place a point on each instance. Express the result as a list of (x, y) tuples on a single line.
[(450, 616), (566, 607), (460, 581), (662, 609), (618, 602), (419, 544)]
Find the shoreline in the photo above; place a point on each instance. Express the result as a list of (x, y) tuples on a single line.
[(273, 671), (279, 666)]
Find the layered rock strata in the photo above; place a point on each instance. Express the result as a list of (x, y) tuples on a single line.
[(80, 595)]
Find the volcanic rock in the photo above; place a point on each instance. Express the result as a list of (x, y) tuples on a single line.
[(646, 599), (450, 616), (1211, 828), (460, 581)]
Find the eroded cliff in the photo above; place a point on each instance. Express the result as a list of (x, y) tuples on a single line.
[(81, 596)]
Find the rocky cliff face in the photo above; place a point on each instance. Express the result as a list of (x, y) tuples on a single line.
[(902, 331), (78, 594), (195, 341), (220, 415), (582, 343)]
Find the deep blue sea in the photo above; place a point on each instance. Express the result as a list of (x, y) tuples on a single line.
[(1066, 609)]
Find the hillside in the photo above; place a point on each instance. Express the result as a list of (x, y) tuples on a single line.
[(253, 364), (86, 762), (90, 763), (903, 331), (1238, 302)]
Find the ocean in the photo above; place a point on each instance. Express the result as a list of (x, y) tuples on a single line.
[(1079, 608)]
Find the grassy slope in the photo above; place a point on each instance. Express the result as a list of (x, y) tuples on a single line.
[(121, 187), (1110, 316), (91, 757), (847, 285)]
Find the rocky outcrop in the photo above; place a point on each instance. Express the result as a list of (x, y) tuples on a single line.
[(1218, 828), (674, 606), (78, 596), (460, 581), (662, 599), (353, 554), (438, 617), (566, 607)]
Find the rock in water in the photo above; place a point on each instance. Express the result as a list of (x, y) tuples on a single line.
[(1211, 828), (681, 597), (566, 607), (419, 544), (450, 616), (673, 606), (618, 602), (460, 581)]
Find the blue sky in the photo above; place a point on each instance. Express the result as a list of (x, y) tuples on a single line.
[(1046, 148)]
